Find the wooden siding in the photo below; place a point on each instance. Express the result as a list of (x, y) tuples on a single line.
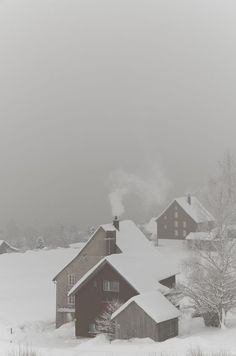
[(135, 322), (91, 300), (168, 329), (166, 223), (169, 282), (91, 254)]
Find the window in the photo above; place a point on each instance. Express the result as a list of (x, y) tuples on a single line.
[(176, 233), (176, 207), (165, 227), (71, 300), (176, 224), (184, 233), (184, 224), (71, 280), (92, 328), (111, 286), (176, 214), (165, 217)]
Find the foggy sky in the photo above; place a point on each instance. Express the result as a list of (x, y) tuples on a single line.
[(90, 86)]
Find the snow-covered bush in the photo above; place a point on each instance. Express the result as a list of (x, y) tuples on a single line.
[(23, 350), (104, 324), (211, 282), (199, 352), (40, 242)]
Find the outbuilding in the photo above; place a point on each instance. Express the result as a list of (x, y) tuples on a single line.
[(147, 315)]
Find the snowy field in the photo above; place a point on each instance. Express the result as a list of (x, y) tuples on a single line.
[(27, 308)]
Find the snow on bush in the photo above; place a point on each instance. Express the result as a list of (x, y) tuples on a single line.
[(211, 281), (22, 350), (200, 352), (104, 324)]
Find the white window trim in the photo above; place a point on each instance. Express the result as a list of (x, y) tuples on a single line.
[(111, 286), (71, 280), (92, 328), (71, 300)]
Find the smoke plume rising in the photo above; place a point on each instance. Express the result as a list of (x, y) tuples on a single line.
[(151, 191)]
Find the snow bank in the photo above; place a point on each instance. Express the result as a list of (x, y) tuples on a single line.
[(27, 292)]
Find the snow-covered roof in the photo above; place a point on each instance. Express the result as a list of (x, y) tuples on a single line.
[(201, 236), (3, 242), (129, 238), (142, 273), (195, 210), (154, 304), (131, 241)]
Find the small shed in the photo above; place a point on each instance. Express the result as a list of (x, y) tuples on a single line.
[(147, 315), (6, 247)]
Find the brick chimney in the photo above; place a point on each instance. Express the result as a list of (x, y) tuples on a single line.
[(189, 198), (116, 222)]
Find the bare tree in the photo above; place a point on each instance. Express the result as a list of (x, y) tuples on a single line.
[(211, 272), (220, 195), (104, 324), (211, 281)]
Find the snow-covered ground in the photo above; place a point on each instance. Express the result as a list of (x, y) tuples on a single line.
[(27, 312)]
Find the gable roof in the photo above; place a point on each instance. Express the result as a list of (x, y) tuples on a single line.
[(129, 239), (154, 304), (142, 273), (195, 210), (3, 242), (78, 254)]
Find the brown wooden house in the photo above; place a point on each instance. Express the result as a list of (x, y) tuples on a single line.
[(146, 315), (182, 216), (95, 249), (119, 237), (118, 277)]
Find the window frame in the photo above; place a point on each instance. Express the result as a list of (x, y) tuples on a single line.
[(111, 286), (71, 300), (71, 280), (92, 330)]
